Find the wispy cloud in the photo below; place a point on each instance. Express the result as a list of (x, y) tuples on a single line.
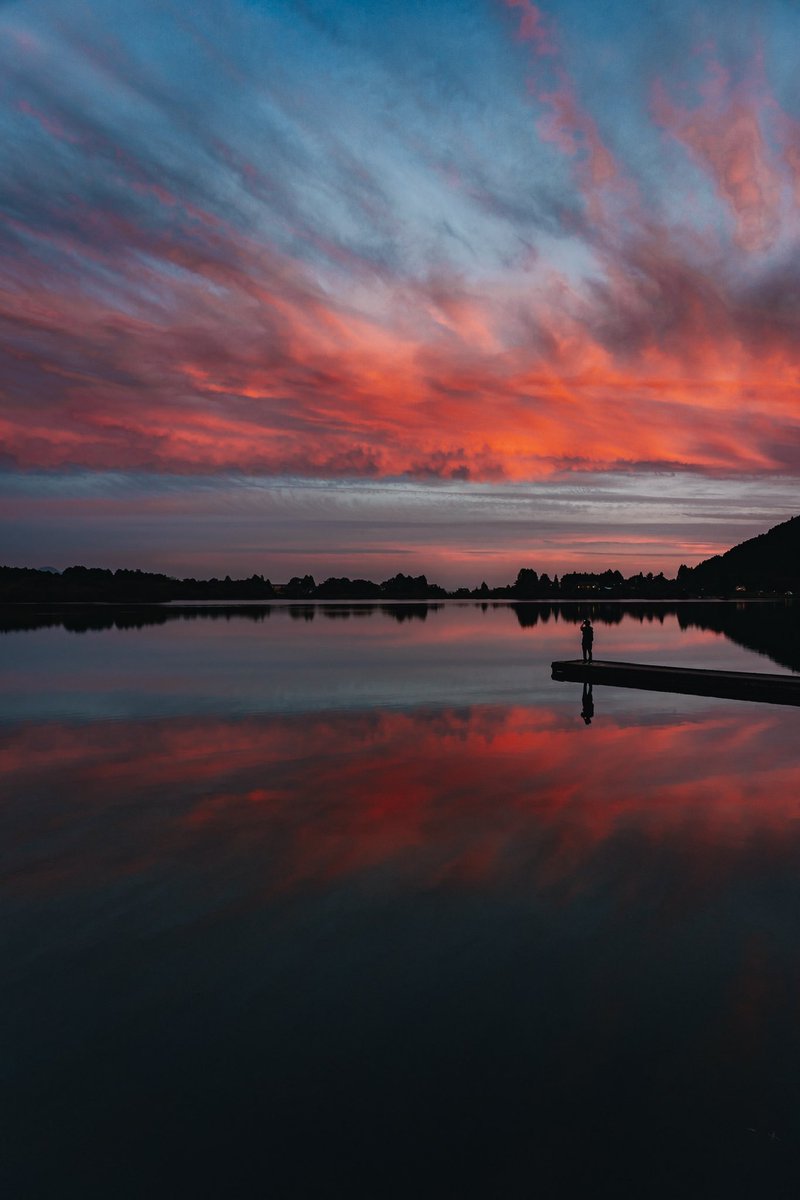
[(506, 243)]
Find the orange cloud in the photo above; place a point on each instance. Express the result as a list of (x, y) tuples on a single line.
[(656, 369), (219, 352)]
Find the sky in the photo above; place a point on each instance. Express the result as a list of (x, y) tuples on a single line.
[(360, 286)]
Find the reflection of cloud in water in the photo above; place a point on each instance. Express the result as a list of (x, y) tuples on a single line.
[(487, 797), (241, 661), (567, 946), (770, 629)]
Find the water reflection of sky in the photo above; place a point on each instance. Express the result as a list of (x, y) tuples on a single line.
[(430, 949), (296, 659), (477, 795)]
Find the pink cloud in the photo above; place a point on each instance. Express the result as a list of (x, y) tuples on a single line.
[(724, 134), (605, 187), (533, 26)]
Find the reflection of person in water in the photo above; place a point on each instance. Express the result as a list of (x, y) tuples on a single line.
[(587, 711), (587, 640)]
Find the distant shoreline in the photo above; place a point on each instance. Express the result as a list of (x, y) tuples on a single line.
[(94, 585), (466, 601), (766, 567)]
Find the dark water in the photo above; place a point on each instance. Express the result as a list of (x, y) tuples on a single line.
[(355, 902)]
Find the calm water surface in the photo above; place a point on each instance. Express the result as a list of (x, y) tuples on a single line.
[(350, 901)]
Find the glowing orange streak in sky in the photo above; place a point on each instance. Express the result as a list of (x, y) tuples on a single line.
[(431, 387)]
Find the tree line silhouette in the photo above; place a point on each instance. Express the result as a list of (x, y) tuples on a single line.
[(92, 585), (767, 564)]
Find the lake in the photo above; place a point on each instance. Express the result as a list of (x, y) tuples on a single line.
[(310, 901)]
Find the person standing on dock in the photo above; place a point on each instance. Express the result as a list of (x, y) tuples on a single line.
[(587, 640)]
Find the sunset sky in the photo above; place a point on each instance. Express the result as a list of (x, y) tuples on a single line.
[(453, 286)]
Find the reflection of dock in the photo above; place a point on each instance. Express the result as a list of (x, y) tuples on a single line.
[(734, 685)]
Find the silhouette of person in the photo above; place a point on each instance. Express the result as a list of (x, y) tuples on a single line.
[(587, 710), (587, 640)]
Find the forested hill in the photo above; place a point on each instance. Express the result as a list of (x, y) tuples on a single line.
[(767, 563)]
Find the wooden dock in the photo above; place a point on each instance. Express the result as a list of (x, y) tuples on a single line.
[(690, 681)]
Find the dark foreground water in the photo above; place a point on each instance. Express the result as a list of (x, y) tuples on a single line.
[(358, 902)]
